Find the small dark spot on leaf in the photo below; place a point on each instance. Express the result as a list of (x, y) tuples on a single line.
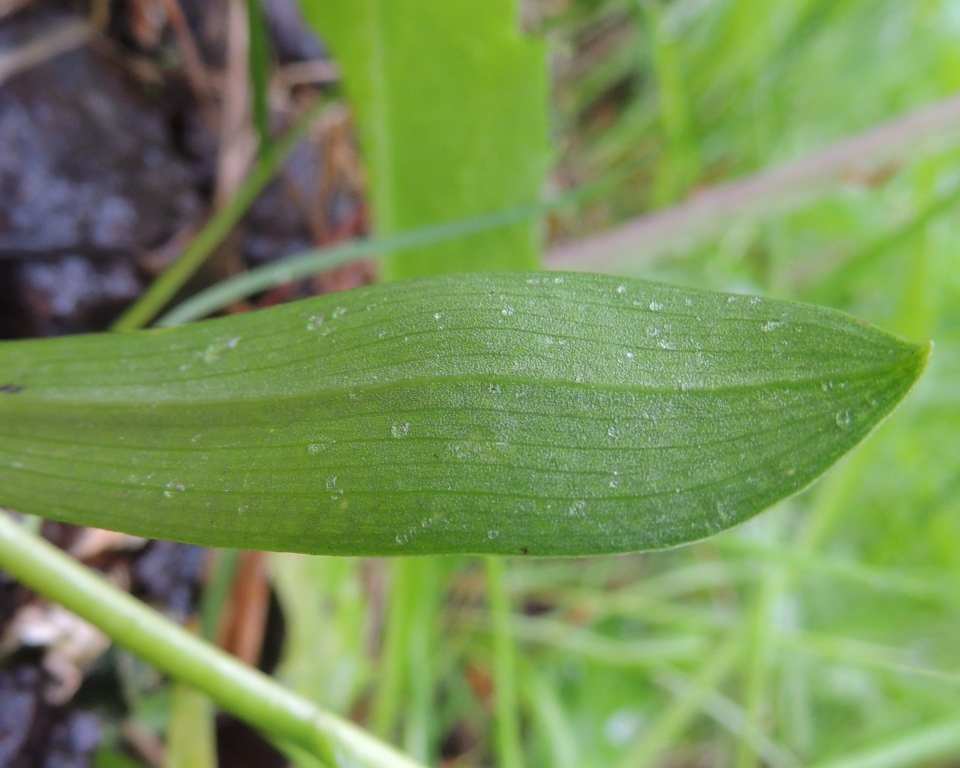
[(11, 389)]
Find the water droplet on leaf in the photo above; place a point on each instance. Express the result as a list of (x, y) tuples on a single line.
[(173, 488)]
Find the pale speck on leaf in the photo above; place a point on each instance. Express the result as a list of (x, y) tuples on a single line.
[(173, 488)]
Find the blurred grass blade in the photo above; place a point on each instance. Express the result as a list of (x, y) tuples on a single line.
[(260, 62), (676, 718), (325, 628), (778, 189), (511, 413), (934, 743), (217, 591), (509, 742), (309, 263), (829, 288), (191, 737)]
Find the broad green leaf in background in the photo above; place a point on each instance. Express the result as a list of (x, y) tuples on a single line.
[(512, 413), (452, 107)]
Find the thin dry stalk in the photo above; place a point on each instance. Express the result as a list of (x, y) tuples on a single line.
[(237, 138), (195, 69), (65, 37)]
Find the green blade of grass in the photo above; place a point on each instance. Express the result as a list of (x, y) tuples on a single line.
[(676, 717), (512, 413), (305, 264), (509, 742), (940, 741), (259, 62), (191, 737)]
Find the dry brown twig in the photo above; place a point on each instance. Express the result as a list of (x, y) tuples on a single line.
[(9, 7), (195, 69), (307, 73), (65, 37), (237, 137)]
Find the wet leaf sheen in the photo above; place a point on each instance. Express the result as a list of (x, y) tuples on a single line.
[(513, 413)]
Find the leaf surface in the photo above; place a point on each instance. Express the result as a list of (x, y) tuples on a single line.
[(510, 413)]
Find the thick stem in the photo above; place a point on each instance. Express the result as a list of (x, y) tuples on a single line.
[(239, 689)]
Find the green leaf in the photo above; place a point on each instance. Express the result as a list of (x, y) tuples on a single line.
[(533, 413), (452, 105)]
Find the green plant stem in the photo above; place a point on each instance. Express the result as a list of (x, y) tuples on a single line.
[(165, 287), (239, 689), (509, 747)]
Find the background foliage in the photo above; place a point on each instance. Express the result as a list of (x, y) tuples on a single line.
[(825, 631)]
